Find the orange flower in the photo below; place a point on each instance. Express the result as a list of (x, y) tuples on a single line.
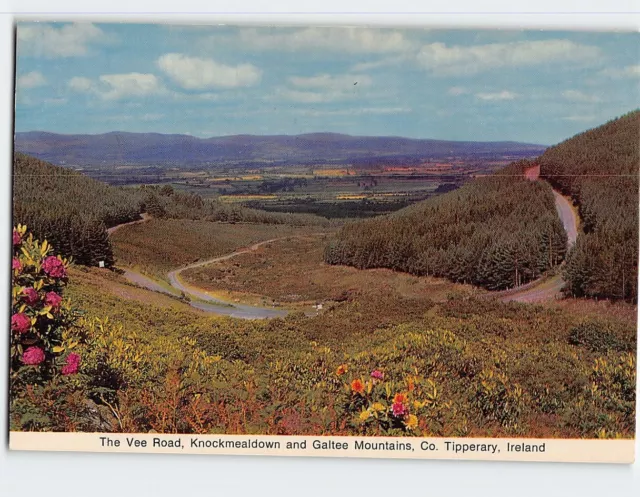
[(411, 384), (357, 386), (342, 369), (400, 398)]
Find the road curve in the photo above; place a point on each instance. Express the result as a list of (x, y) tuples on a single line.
[(219, 306), (549, 288), (145, 217)]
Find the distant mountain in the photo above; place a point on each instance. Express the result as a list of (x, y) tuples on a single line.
[(153, 148)]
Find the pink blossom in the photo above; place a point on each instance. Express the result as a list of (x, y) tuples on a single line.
[(16, 265), (377, 375), (20, 322), (398, 409), (73, 358), (52, 299), (33, 356), (30, 295), (72, 365), (17, 239), (54, 267)]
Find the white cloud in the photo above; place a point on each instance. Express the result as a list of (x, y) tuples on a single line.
[(50, 40), (151, 117), (340, 82), (457, 91), (501, 95), (580, 119), (118, 86), (133, 84), (324, 87), (194, 73), (578, 96), (31, 79), (626, 72), (376, 64), (466, 60), (354, 40), (80, 84), (356, 111), (55, 101)]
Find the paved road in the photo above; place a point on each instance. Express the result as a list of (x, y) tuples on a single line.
[(218, 306), (549, 289)]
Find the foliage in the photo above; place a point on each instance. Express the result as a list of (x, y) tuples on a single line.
[(161, 202), (42, 322), (463, 367), (599, 170), (497, 232), (69, 209)]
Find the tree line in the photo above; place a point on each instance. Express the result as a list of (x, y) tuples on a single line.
[(496, 232), (599, 170)]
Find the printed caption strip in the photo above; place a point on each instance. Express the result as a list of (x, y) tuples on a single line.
[(499, 449)]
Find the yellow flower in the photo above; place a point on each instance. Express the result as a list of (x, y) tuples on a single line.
[(364, 415), (342, 369), (378, 407), (412, 422)]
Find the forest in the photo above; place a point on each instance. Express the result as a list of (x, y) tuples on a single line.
[(69, 209), (496, 232), (599, 170)]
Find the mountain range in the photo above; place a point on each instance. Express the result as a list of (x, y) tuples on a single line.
[(116, 148)]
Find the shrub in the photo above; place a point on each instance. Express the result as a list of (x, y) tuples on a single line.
[(595, 336), (42, 321)]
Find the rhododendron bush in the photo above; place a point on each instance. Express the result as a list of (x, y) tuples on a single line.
[(42, 321)]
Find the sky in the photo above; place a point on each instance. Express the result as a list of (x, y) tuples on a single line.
[(485, 85)]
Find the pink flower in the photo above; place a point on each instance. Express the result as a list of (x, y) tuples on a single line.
[(17, 239), (73, 358), (33, 356), (72, 365), (54, 267), (398, 409), (16, 265), (377, 375), (30, 295), (20, 322), (52, 299)]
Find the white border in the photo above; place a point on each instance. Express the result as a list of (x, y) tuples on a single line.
[(30, 473)]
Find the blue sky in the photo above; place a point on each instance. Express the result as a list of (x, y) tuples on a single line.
[(534, 86)]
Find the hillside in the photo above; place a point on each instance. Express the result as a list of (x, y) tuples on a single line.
[(73, 211), (69, 209), (497, 232), (599, 170), (181, 150)]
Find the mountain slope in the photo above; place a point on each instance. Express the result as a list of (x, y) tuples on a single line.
[(152, 148), (599, 170), (70, 210), (497, 232)]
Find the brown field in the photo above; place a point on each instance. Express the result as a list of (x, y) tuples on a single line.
[(160, 245)]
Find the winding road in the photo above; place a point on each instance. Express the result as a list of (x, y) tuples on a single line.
[(199, 298), (546, 289)]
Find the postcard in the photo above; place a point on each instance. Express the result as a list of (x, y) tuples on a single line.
[(325, 241)]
